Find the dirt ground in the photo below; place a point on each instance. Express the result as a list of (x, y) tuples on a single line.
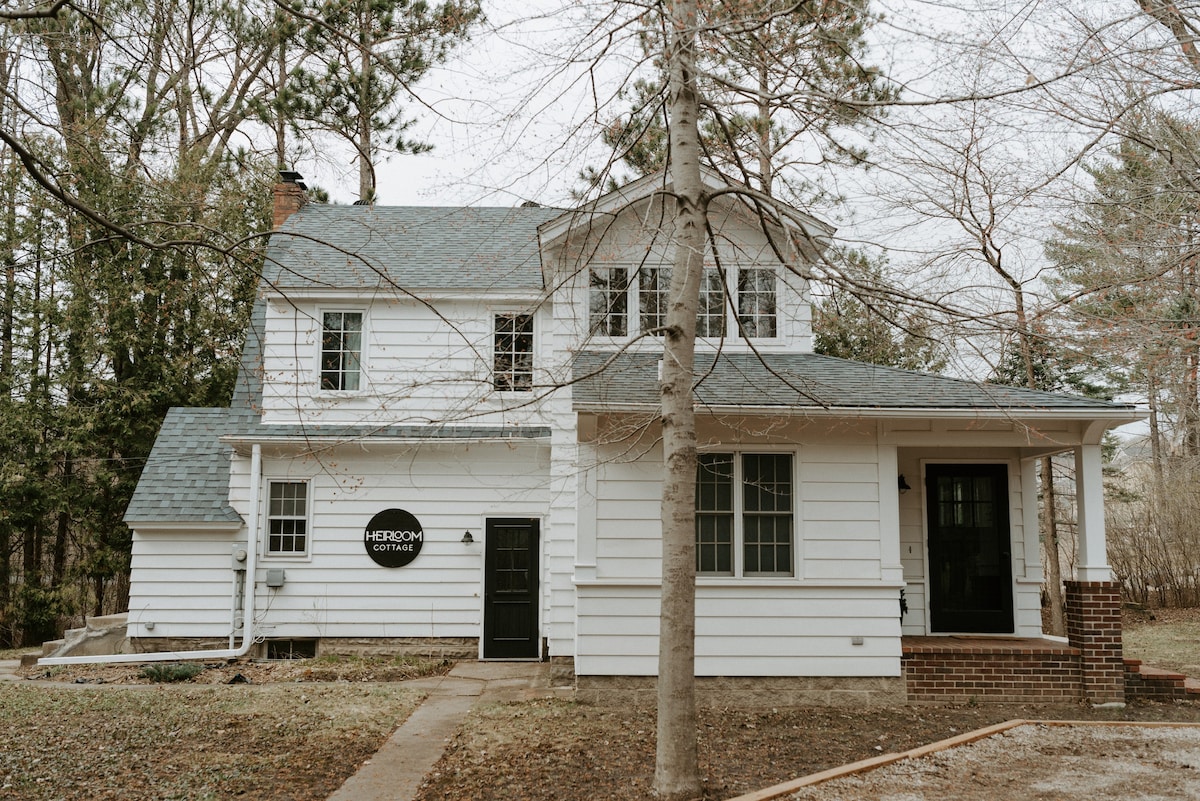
[(558, 751), (545, 750), (1081, 763)]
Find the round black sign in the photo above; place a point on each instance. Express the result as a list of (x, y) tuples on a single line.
[(393, 538)]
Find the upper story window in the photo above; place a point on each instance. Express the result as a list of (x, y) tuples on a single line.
[(756, 301), (744, 518), (287, 518), (608, 301), (513, 353), (341, 350), (653, 295), (614, 290)]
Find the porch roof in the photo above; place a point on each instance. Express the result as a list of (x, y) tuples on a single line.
[(607, 381)]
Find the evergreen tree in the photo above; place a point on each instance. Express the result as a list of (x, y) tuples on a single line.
[(863, 322), (783, 85), (364, 56)]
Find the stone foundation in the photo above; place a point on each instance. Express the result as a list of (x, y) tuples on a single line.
[(562, 671), (748, 692), (426, 647)]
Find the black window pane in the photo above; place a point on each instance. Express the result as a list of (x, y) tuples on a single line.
[(714, 513)]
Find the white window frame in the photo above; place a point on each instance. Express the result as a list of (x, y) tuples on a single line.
[(496, 372), (731, 319), (362, 351), (269, 517), (600, 324), (739, 513)]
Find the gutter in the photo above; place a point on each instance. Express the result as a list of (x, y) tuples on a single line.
[(247, 602)]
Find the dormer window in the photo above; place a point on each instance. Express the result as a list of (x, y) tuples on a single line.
[(613, 291), (608, 301), (341, 350), (756, 301), (513, 353)]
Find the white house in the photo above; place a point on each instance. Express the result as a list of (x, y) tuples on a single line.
[(444, 439)]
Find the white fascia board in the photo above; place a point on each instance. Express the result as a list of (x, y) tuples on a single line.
[(420, 294), (1111, 417), (172, 526), (241, 444)]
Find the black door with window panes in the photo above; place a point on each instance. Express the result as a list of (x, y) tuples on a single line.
[(510, 589), (970, 556)]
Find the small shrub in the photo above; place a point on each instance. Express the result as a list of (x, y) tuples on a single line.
[(168, 673)]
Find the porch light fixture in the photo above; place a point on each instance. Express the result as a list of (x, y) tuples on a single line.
[(467, 538), (902, 485)]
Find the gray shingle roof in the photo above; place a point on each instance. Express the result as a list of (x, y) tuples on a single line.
[(805, 380), (414, 247), (186, 477)]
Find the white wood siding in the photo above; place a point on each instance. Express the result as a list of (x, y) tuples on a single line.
[(336, 590), (797, 626), (745, 629), (422, 363), (161, 563), (639, 236)]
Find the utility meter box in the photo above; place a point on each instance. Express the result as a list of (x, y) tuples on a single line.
[(275, 576)]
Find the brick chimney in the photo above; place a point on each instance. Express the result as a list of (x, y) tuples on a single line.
[(289, 197)]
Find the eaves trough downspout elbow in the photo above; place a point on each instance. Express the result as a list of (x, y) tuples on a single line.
[(247, 603)]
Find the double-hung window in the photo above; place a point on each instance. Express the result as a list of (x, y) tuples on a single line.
[(744, 514), (654, 284), (287, 518), (513, 353), (341, 350), (608, 301), (756, 301)]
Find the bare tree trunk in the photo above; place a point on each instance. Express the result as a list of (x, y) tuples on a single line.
[(1054, 581), (677, 770), (366, 169)]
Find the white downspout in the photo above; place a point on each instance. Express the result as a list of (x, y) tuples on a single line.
[(247, 602)]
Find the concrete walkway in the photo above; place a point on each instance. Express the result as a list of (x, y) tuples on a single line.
[(397, 769)]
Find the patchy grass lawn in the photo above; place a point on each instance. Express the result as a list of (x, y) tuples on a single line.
[(288, 739), (285, 742), (1164, 638)]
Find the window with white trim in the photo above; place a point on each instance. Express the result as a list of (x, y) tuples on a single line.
[(287, 518), (608, 301), (613, 291), (513, 353), (744, 514), (341, 350), (756, 301), (654, 284)]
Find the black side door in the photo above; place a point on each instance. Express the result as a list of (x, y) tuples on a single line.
[(970, 550), (510, 589)]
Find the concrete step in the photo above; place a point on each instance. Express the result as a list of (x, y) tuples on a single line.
[(52, 646)]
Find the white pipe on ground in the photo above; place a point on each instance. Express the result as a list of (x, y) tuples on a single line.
[(247, 602)]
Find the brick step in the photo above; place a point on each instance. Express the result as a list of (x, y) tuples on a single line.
[(1159, 675), (1144, 681)]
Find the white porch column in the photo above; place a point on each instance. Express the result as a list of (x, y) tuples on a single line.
[(889, 515), (1091, 563)]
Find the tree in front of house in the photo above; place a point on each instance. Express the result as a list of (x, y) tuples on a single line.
[(785, 85)]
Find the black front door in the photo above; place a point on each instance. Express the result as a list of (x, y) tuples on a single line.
[(510, 589), (970, 564)]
